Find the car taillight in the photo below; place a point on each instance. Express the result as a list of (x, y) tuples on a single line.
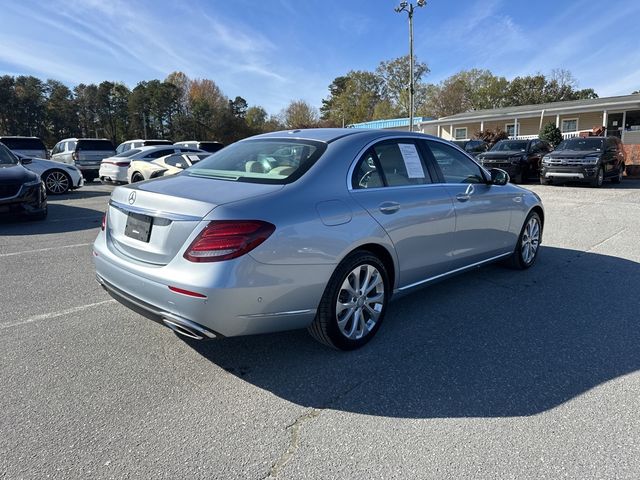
[(227, 239), (122, 164), (104, 222)]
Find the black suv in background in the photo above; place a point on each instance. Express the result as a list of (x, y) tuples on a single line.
[(521, 159), (589, 159), (21, 191), (473, 147)]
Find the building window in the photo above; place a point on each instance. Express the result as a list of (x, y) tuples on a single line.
[(460, 133), (569, 125), (510, 128)]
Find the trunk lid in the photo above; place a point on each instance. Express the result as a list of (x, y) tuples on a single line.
[(171, 208)]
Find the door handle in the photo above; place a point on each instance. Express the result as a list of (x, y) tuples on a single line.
[(463, 197), (389, 207)]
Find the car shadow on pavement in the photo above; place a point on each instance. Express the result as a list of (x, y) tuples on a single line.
[(61, 218), (491, 343)]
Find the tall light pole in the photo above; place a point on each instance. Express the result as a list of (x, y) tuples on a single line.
[(408, 7)]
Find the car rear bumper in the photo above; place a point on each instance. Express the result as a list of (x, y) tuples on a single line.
[(241, 296), (113, 174)]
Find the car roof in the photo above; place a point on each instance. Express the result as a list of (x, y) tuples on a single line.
[(328, 135), (75, 139), (19, 136)]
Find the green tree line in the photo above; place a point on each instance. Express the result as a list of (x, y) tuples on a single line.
[(181, 108), (360, 96), (176, 108)]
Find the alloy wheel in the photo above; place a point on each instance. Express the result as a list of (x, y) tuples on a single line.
[(57, 183), (360, 301), (530, 240)]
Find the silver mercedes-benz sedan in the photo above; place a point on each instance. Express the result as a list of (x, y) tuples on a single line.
[(309, 228)]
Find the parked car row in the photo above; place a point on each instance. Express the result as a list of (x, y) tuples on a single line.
[(588, 159)]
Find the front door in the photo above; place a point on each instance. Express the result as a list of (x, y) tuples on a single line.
[(483, 212)]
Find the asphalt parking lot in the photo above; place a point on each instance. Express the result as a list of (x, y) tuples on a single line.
[(494, 374)]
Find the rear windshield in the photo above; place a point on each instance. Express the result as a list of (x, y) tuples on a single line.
[(507, 146), (149, 143), (584, 144), (128, 153), (260, 161), (99, 145), (23, 143)]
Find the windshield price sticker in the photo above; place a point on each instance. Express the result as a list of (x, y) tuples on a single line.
[(411, 160)]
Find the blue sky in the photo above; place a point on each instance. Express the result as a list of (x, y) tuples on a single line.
[(273, 51)]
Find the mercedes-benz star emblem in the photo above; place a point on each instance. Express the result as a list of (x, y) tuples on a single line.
[(132, 198)]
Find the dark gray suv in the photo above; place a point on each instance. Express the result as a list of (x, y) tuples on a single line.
[(590, 159)]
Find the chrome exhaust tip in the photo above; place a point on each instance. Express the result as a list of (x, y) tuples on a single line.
[(186, 328)]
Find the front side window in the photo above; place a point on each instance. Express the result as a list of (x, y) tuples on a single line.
[(176, 161), (6, 157), (455, 166), (393, 163), (274, 161)]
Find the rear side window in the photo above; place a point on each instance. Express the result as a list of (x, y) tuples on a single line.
[(159, 153), (128, 153), (454, 165), (393, 163), (95, 145), (23, 143)]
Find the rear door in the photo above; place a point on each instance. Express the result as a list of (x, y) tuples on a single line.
[(392, 182), (483, 212)]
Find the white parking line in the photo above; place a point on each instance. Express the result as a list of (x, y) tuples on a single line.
[(47, 316), (12, 254)]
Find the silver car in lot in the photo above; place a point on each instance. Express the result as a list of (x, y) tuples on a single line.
[(309, 228), (58, 177)]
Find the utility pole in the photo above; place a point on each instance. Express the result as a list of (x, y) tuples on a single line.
[(408, 7)]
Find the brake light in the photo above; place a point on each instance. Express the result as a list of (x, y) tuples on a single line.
[(104, 222), (227, 239), (122, 164)]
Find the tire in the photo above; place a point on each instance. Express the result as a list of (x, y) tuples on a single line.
[(361, 314), (57, 182), (528, 246), (599, 180), (89, 178), (136, 177), (618, 177)]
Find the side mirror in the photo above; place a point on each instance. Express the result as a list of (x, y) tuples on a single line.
[(25, 161), (499, 177)]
